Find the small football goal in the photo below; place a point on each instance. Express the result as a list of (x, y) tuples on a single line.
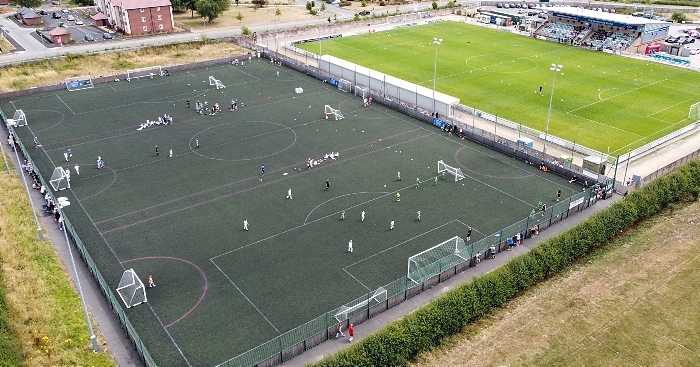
[(344, 86), (60, 179), (131, 289), (457, 172), (328, 111), (361, 92), (79, 83), (437, 259), (19, 119), (149, 72), (694, 114), (216, 82), (347, 311)]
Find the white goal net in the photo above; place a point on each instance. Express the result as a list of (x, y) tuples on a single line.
[(457, 172), (344, 85), (216, 82), (149, 72), (437, 259), (328, 111), (19, 119), (60, 179), (694, 114), (79, 82), (360, 304), (361, 92), (131, 289)]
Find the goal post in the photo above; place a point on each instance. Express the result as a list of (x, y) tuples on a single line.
[(19, 119), (344, 85), (328, 111), (131, 289), (360, 304), (694, 114), (60, 179), (437, 259), (457, 172), (79, 83), (149, 71), (216, 82), (361, 92)]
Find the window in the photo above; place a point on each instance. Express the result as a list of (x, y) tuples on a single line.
[(142, 10), (145, 28), (158, 8), (143, 19), (160, 17), (160, 26)]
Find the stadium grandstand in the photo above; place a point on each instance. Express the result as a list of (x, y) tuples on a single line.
[(601, 31)]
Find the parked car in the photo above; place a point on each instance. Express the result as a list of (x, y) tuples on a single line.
[(531, 13), (364, 13), (56, 15), (107, 36), (70, 18), (79, 22), (65, 10), (686, 40), (499, 5), (89, 37), (695, 51), (43, 12), (55, 2), (672, 39)]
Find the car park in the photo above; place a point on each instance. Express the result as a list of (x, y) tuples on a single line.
[(89, 37), (107, 36)]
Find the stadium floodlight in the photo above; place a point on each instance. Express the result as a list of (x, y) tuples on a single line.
[(436, 42), (555, 68)]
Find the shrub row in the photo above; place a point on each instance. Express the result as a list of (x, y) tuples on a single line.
[(10, 354), (401, 341)]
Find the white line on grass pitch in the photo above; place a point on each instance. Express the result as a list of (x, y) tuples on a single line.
[(246, 297), (64, 103), (167, 332), (357, 280), (384, 194)]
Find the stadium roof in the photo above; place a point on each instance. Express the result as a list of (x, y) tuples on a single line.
[(608, 17)]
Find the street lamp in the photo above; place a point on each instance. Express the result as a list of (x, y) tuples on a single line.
[(436, 42), (555, 68)]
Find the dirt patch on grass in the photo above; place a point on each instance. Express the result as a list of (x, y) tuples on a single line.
[(251, 17), (632, 303)]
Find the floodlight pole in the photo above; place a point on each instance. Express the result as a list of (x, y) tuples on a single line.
[(7, 166), (95, 346), (436, 42), (555, 68)]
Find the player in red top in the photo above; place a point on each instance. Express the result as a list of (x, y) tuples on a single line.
[(351, 332)]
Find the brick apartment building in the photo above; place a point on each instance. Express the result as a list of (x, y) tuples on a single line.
[(138, 17)]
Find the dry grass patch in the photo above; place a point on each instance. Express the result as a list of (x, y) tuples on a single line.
[(45, 311), (251, 17), (48, 73), (5, 46), (633, 303)]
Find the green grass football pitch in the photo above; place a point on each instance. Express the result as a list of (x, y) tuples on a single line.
[(602, 101), (222, 290)]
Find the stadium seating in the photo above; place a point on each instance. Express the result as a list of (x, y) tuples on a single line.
[(602, 39)]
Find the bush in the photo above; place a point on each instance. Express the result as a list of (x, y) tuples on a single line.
[(309, 5), (401, 341), (246, 31), (382, 3), (679, 17), (435, 5), (364, 3)]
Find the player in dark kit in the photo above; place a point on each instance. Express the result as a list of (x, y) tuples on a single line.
[(156, 150), (328, 185)]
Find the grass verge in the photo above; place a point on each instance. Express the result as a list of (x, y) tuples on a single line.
[(628, 303), (45, 312)]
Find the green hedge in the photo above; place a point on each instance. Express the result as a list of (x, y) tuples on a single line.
[(10, 355), (401, 341)]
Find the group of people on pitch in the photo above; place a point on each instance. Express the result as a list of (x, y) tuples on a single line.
[(310, 163), (161, 120)]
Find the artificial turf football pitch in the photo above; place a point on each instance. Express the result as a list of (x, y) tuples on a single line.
[(222, 290), (603, 101)]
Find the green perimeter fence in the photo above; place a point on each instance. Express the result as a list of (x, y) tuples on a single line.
[(316, 331), (106, 290), (296, 341)]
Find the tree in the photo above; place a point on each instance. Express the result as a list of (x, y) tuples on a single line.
[(246, 31), (278, 12), (239, 17), (329, 19), (364, 3), (211, 9), (191, 5), (27, 3), (259, 3), (236, 2), (309, 5), (435, 5), (323, 7), (179, 5), (679, 17)]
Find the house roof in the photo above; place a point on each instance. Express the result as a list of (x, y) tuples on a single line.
[(58, 31), (23, 10), (99, 16), (30, 14), (140, 4)]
